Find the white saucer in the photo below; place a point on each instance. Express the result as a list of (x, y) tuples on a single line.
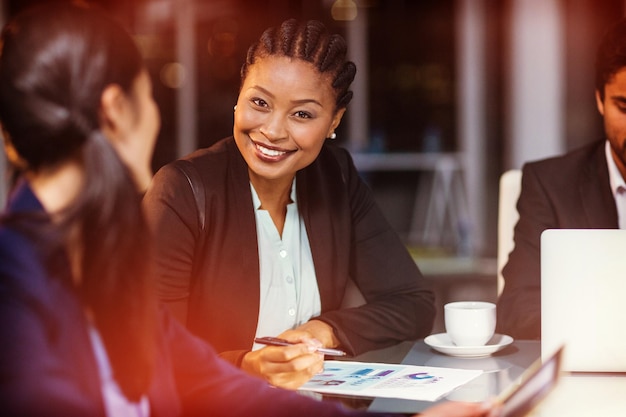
[(441, 342)]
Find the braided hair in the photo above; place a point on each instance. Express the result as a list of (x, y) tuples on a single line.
[(310, 42)]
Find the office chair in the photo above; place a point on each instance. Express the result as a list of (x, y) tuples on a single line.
[(509, 190)]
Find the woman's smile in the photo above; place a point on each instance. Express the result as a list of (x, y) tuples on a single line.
[(270, 153)]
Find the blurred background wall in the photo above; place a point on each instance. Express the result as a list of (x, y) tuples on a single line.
[(465, 89)]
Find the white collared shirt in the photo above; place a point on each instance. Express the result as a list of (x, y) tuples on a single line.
[(289, 291), (618, 186), (115, 402)]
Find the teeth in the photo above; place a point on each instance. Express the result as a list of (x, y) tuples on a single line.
[(269, 152)]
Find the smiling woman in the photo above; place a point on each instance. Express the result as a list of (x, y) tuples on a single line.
[(288, 223)]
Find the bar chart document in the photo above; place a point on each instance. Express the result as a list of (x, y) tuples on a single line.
[(364, 379)]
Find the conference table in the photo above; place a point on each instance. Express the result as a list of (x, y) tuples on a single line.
[(575, 395)]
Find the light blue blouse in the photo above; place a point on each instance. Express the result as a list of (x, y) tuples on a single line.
[(289, 292)]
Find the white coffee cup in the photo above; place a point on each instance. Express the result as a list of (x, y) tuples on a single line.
[(470, 323)]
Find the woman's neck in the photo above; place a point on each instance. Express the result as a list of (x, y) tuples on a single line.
[(57, 187), (274, 196)]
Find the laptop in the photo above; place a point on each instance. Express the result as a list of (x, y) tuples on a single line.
[(583, 298)]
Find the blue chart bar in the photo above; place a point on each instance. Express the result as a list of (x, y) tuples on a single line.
[(362, 372)]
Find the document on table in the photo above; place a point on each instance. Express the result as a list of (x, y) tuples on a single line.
[(365, 379)]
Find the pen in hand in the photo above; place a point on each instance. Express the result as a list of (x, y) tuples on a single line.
[(275, 341)]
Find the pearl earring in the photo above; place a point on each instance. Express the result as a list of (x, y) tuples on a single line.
[(235, 108), (333, 135)]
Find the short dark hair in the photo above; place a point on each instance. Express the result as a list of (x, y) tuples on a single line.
[(311, 42), (611, 55)]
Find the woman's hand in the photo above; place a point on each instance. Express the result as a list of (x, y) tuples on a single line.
[(285, 366), (462, 409), (291, 366), (314, 329)]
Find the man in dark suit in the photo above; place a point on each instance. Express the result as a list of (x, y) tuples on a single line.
[(583, 189)]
